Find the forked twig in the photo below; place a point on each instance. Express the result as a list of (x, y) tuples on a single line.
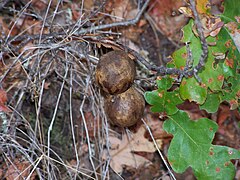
[(116, 24)]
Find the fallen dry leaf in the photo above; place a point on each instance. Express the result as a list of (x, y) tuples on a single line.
[(155, 125), (89, 4), (3, 97), (122, 151), (47, 85), (121, 10), (19, 170), (166, 19), (3, 100)]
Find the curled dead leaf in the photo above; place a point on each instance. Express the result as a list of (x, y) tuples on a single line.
[(122, 150)]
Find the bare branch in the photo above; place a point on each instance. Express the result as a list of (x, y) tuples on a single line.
[(116, 24), (201, 36)]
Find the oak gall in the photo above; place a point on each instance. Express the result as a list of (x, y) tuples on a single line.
[(115, 72), (125, 109)]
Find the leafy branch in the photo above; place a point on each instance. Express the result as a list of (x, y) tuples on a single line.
[(191, 145)]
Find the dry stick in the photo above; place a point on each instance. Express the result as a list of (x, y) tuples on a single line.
[(15, 144), (10, 67), (54, 14), (78, 21), (38, 108), (54, 116), (116, 24), (105, 126), (58, 157), (3, 3), (87, 19), (88, 30), (17, 107), (160, 153), (35, 167), (44, 21), (71, 168), (86, 128), (83, 31), (160, 70), (71, 119), (36, 64), (27, 168), (33, 140), (53, 35), (204, 54), (16, 21), (21, 150)]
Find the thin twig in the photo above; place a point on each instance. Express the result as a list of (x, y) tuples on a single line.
[(16, 21), (86, 128), (71, 120), (160, 153), (161, 70), (201, 36), (116, 24), (54, 116), (81, 24), (87, 30)]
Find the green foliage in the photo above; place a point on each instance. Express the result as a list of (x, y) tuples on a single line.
[(193, 91), (232, 94), (161, 99), (216, 71), (220, 81), (191, 146), (231, 10), (212, 102)]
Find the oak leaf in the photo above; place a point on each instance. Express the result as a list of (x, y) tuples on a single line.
[(122, 150)]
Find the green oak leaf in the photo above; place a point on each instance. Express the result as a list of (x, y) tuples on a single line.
[(228, 37), (162, 100), (211, 77), (215, 70), (232, 96), (193, 91), (165, 83), (225, 44), (212, 102), (191, 147), (180, 56), (231, 10)]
